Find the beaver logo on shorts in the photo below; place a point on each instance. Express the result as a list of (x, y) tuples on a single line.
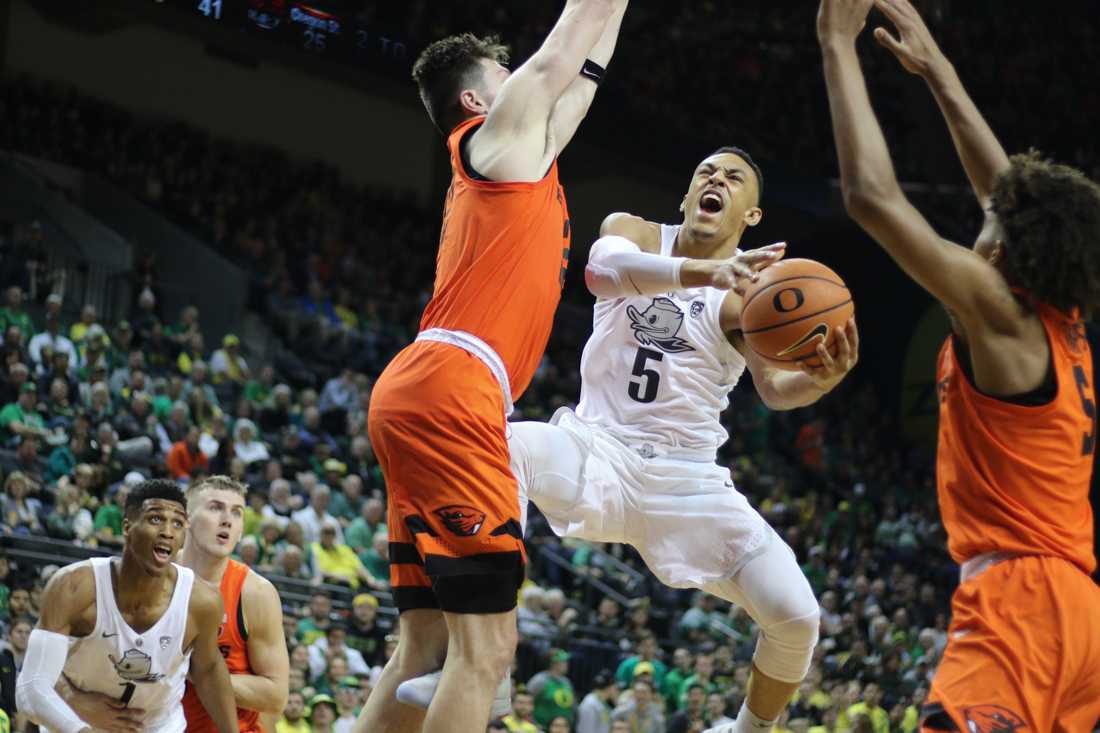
[(992, 719), (464, 521)]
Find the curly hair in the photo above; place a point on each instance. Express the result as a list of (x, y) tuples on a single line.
[(156, 488), (444, 67), (1050, 214)]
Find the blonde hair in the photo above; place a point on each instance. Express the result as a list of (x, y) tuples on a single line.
[(217, 483)]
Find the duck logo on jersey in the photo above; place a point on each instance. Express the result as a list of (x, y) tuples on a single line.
[(135, 666), (658, 325), (464, 521), (993, 719)]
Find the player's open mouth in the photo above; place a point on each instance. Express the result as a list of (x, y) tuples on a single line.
[(711, 203), (162, 553), (223, 537)]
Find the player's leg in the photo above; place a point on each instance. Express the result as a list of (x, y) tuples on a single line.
[(548, 464), (422, 645), (774, 592), (1080, 708), (1010, 650), (422, 632), (480, 650)]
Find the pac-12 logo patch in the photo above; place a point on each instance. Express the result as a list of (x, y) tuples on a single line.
[(992, 719), (464, 521)]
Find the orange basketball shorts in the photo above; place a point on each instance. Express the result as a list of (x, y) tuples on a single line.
[(1023, 652), (437, 426)]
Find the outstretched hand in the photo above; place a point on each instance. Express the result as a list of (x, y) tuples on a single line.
[(914, 46), (741, 269), (842, 20), (834, 368)]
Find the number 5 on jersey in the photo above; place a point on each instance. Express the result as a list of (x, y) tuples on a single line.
[(644, 389)]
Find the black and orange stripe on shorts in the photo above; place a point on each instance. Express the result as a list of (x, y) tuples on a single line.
[(437, 427)]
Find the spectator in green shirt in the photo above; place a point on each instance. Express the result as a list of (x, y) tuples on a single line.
[(108, 518), (20, 419), (704, 677), (674, 680), (552, 690), (259, 390), (377, 558), (63, 458), (647, 652), (14, 315), (347, 503), (313, 627), (360, 533)]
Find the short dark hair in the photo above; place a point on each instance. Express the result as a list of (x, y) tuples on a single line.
[(157, 488), (445, 66), (1051, 219), (744, 155)]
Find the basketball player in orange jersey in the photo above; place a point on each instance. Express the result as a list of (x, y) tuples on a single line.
[(1017, 397), (437, 415), (251, 635)]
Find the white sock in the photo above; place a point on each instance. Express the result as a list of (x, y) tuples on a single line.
[(747, 722)]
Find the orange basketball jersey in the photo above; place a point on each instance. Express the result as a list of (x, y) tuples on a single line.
[(1014, 478), (232, 638), (503, 253)]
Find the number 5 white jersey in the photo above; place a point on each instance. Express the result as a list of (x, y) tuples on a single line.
[(144, 671), (658, 370)]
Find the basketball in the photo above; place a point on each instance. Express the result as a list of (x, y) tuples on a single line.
[(795, 305)]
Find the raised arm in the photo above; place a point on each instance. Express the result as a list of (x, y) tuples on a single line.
[(981, 153), (573, 104), (265, 690), (624, 262), (512, 145), (961, 279), (209, 674)]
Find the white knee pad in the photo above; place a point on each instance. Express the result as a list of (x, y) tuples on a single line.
[(785, 650), (775, 593)]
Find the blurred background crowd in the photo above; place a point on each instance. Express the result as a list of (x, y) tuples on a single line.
[(92, 403)]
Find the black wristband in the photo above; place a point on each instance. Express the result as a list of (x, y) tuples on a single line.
[(593, 71)]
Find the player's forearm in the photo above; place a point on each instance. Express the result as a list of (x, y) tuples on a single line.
[(981, 153), (618, 268), (866, 172), (578, 30), (215, 690), (604, 49), (573, 105), (36, 693), (790, 390), (255, 692)]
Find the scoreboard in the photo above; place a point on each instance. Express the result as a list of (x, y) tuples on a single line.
[(328, 29)]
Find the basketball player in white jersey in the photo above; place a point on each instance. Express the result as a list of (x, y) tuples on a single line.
[(636, 462), (129, 628)]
